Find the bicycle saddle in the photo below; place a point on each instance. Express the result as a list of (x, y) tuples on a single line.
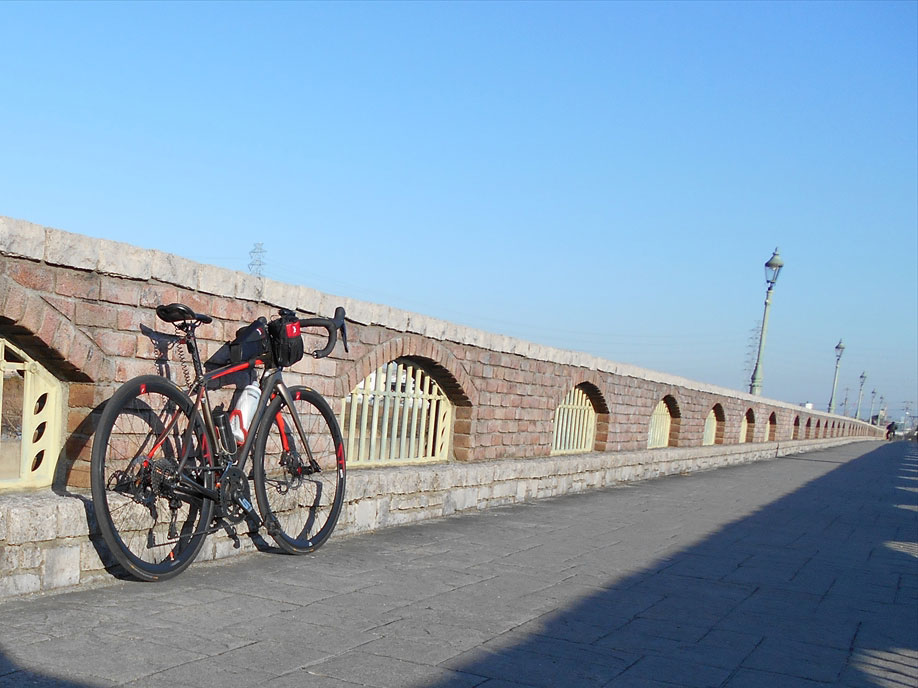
[(179, 312)]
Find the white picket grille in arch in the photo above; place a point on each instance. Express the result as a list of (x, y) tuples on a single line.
[(397, 414), (575, 424), (710, 429), (31, 420), (660, 423)]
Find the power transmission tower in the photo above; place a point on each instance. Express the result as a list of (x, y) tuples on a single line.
[(256, 264)]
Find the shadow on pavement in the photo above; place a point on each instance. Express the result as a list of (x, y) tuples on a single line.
[(11, 676), (817, 588)]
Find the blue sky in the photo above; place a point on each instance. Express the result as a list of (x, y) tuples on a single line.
[(604, 177)]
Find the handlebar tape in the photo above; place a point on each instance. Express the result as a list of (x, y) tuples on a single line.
[(331, 325)]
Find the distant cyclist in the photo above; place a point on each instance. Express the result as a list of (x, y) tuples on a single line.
[(891, 431)]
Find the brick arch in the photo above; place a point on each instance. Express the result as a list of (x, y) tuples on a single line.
[(720, 420), (675, 414), (436, 359), (749, 431), (591, 387), (675, 426), (35, 324)]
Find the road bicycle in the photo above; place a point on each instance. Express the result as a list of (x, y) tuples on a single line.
[(167, 470)]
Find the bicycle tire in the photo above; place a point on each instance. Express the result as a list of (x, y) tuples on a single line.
[(132, 470), (300, 506)]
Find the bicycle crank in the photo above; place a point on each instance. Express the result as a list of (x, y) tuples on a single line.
[(235, 498)]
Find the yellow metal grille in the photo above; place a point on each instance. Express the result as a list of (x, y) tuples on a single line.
[(30, 420), (398, 414), (660, 424), (575, 424)]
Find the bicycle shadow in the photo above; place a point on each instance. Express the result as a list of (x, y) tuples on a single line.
[(817, 588)]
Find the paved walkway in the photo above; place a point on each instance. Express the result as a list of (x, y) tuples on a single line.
[(801, 571)]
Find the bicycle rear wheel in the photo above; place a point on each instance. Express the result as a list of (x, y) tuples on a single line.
[(152, 527), (299, 486)]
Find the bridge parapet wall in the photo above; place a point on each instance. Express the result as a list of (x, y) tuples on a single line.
[(75, 305)]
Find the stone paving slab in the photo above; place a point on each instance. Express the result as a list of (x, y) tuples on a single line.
[(796, 572)]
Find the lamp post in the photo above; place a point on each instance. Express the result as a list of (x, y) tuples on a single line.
[(863, 379), (772, 268), (839, 350), (873, 396), (881, 415)]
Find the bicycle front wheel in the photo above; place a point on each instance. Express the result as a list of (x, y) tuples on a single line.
[(152, 526), (299, 480)]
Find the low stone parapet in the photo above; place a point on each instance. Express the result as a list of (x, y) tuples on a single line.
[(50, 542)]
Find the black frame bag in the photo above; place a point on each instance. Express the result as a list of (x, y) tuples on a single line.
[(251, 341), (286, 339)]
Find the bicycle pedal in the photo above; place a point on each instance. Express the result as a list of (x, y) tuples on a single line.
[(231, 533)]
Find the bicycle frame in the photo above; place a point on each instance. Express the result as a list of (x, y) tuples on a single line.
[(271, 383)]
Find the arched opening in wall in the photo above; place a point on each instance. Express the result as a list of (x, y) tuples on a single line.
[(747, 427), (796, 435), (397, 414), (832, 431), (714, 426), (816, 435), (809, 428), (664, 424), (576, 420), (31, 420), (772, 427)]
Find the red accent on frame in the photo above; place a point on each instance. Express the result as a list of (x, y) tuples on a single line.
[(282, 427), (164, 438), (234, 369), (143, 389), (245, 433), (293, 329)]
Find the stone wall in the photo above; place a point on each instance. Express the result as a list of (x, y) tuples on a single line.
[(49, 541), (76, 304)]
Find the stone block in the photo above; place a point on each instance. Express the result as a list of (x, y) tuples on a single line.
[(173, 269), (3, 523), (218, 281), (279, 294), (460, 499), (30, 556), (19, 584), (61, 567), (124, 260), (21, 238), (89, 557), (71, 518), (249, 287), (71, 250), (223, 548), (9, 558), (30, 524), (366, 514)]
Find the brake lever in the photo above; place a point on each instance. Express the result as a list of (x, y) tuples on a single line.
[(340, 323)]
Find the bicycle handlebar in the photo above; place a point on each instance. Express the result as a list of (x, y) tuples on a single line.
[(332, 326)]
